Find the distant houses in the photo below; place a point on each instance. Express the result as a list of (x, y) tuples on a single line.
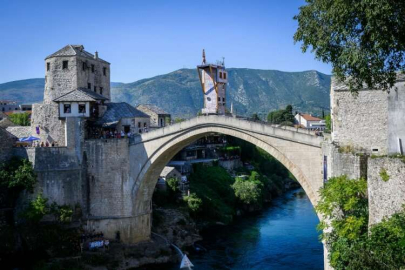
[(308, 121)]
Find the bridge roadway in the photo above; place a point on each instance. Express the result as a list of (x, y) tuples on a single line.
[(298, 150)]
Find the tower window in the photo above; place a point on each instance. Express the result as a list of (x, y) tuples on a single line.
[(66, 108), (219, 99), (92, 68), (65, 64), (48, 66), (224, 75), (95, 89), (101, 90), (220, 75), (88, 85), (82, 108), (223, 99), (84, 66), (104, 71)]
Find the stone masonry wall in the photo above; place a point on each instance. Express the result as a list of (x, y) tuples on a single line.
[(46, 116), (385, 197), (349, 164), (59, 81), (396, 116), (108, 178), (96, 78), (360, 121), (6, 145), (59, 173)]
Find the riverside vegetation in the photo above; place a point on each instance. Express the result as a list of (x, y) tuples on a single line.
[(352, 243), (22, 235), (216, 196)]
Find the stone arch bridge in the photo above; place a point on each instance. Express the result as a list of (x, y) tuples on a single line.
[(125, 205)]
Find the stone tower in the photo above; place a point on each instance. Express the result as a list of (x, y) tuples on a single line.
[(72, 68), (76, 84), (213, 79)]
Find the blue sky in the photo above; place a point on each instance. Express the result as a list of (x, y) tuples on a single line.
[(143, 39)]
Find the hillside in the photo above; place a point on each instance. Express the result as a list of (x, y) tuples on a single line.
[(179, 92)]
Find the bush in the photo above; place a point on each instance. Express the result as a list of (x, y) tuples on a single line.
[(249, 191), (351, 245), (384, 175), (18, 174), (37, 209), (193, 202), (173, 184), (21, 119), (213, 185), (280, 116)]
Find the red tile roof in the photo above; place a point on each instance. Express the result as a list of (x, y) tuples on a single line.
[(309, 117)]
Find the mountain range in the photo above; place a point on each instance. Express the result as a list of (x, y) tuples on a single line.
[(179, 92)]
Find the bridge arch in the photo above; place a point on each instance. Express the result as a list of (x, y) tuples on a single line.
[(299, 152)]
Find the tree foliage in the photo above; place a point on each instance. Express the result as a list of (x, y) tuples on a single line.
[(193, 202), (21, 119), (248, 191), (351, 245), (39, 207), (18, 174), (364, 40), (328, 123), (173, 184), (281, 116)]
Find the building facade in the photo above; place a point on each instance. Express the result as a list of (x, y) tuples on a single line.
[(158, 117), (308, 121), (8, 105), (372, 121)]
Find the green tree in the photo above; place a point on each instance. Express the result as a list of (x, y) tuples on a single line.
[(179, 120), (18, 174), (173, 184), (281, 116), (350, 242), (363, 40), (193, 202), (37, 209), (248, 191), (328, 123), (21, 119), (255, 117)]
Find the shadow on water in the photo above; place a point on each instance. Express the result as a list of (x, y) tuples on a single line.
[(283, 236)]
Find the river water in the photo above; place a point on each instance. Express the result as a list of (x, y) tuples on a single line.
[(282, 237)]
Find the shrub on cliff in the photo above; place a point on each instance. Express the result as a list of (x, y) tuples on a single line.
[(350, 242), (213, 185), (249, 191), (18, 174), (193, 202)]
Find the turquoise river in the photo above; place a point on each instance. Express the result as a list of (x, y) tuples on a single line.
[(282, 237)]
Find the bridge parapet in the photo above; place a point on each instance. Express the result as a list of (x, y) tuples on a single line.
[(258, 127)]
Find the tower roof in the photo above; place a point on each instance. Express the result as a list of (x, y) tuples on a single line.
[(74, 50), (116, 111), (80, 94), (152, 108)]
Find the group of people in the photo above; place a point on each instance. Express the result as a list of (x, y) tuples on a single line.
[(46, 144), (111, 135)]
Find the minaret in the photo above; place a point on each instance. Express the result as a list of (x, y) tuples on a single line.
[(213, 79)]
